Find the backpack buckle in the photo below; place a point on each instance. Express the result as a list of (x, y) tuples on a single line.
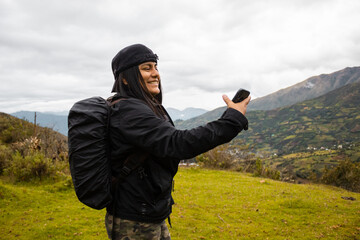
[(124, 172)]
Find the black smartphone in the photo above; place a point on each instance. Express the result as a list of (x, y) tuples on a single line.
[(241, 95)]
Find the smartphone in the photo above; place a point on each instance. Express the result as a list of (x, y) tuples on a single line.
[(241, 95)]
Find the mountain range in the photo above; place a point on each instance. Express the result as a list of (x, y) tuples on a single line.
[(58, 120)]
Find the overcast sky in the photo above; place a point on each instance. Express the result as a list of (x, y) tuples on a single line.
[(53, 53)]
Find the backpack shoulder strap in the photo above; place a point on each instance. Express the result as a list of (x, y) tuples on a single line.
[(116, 101), (133, 161), (130, 164)]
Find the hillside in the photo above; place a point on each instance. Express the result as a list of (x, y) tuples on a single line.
[(332, 119), (29, 151), (308, 89)]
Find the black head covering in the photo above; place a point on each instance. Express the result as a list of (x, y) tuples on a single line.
[(131, 56)]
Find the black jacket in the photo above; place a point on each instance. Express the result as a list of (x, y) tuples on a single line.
[(145, 195)]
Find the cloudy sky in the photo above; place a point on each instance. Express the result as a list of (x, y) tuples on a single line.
[(53, 53)]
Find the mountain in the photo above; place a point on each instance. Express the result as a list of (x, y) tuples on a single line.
[(62, 113), (185, 114), (199, 120), (332, 119), (55, 122), (308, 89)]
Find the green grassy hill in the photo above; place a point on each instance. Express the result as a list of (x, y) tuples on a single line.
[(332, 119), (209, 205)]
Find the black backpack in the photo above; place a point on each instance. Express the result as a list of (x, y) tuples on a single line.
[(89, 152)]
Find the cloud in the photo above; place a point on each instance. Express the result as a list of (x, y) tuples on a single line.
[(56, 52)]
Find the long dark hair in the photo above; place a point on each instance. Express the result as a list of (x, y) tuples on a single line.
[(136, 87)]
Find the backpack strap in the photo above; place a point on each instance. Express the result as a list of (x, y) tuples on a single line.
[(115, 101), (132, 162)]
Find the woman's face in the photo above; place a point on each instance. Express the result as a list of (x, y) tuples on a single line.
[(151, 76)]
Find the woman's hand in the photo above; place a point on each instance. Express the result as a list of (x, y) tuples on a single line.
[(240, 106)]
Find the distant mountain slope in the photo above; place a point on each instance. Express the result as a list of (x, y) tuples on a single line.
[(200, 120), (55, 122), (310, 88), (62, 113), (332, 119), (185, 114), (58, 120)]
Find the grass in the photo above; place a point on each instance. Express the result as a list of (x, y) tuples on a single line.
[(47, 212), (229, 205), (210, 204)]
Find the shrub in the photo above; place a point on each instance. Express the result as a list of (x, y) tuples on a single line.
[(27, 146), (5, 155), (33, 166), (346, 175), (238, 158), (261, 171), (217, 158), (53, 144), (14, 130)]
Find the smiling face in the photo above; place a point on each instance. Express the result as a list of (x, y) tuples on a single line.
[(151, 76)]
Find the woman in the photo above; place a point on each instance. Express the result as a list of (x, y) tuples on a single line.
[(139, 123)]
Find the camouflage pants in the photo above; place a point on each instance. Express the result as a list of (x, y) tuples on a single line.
[(131, 230)]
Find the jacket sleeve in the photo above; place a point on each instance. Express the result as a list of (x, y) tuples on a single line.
[(142, 128)]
